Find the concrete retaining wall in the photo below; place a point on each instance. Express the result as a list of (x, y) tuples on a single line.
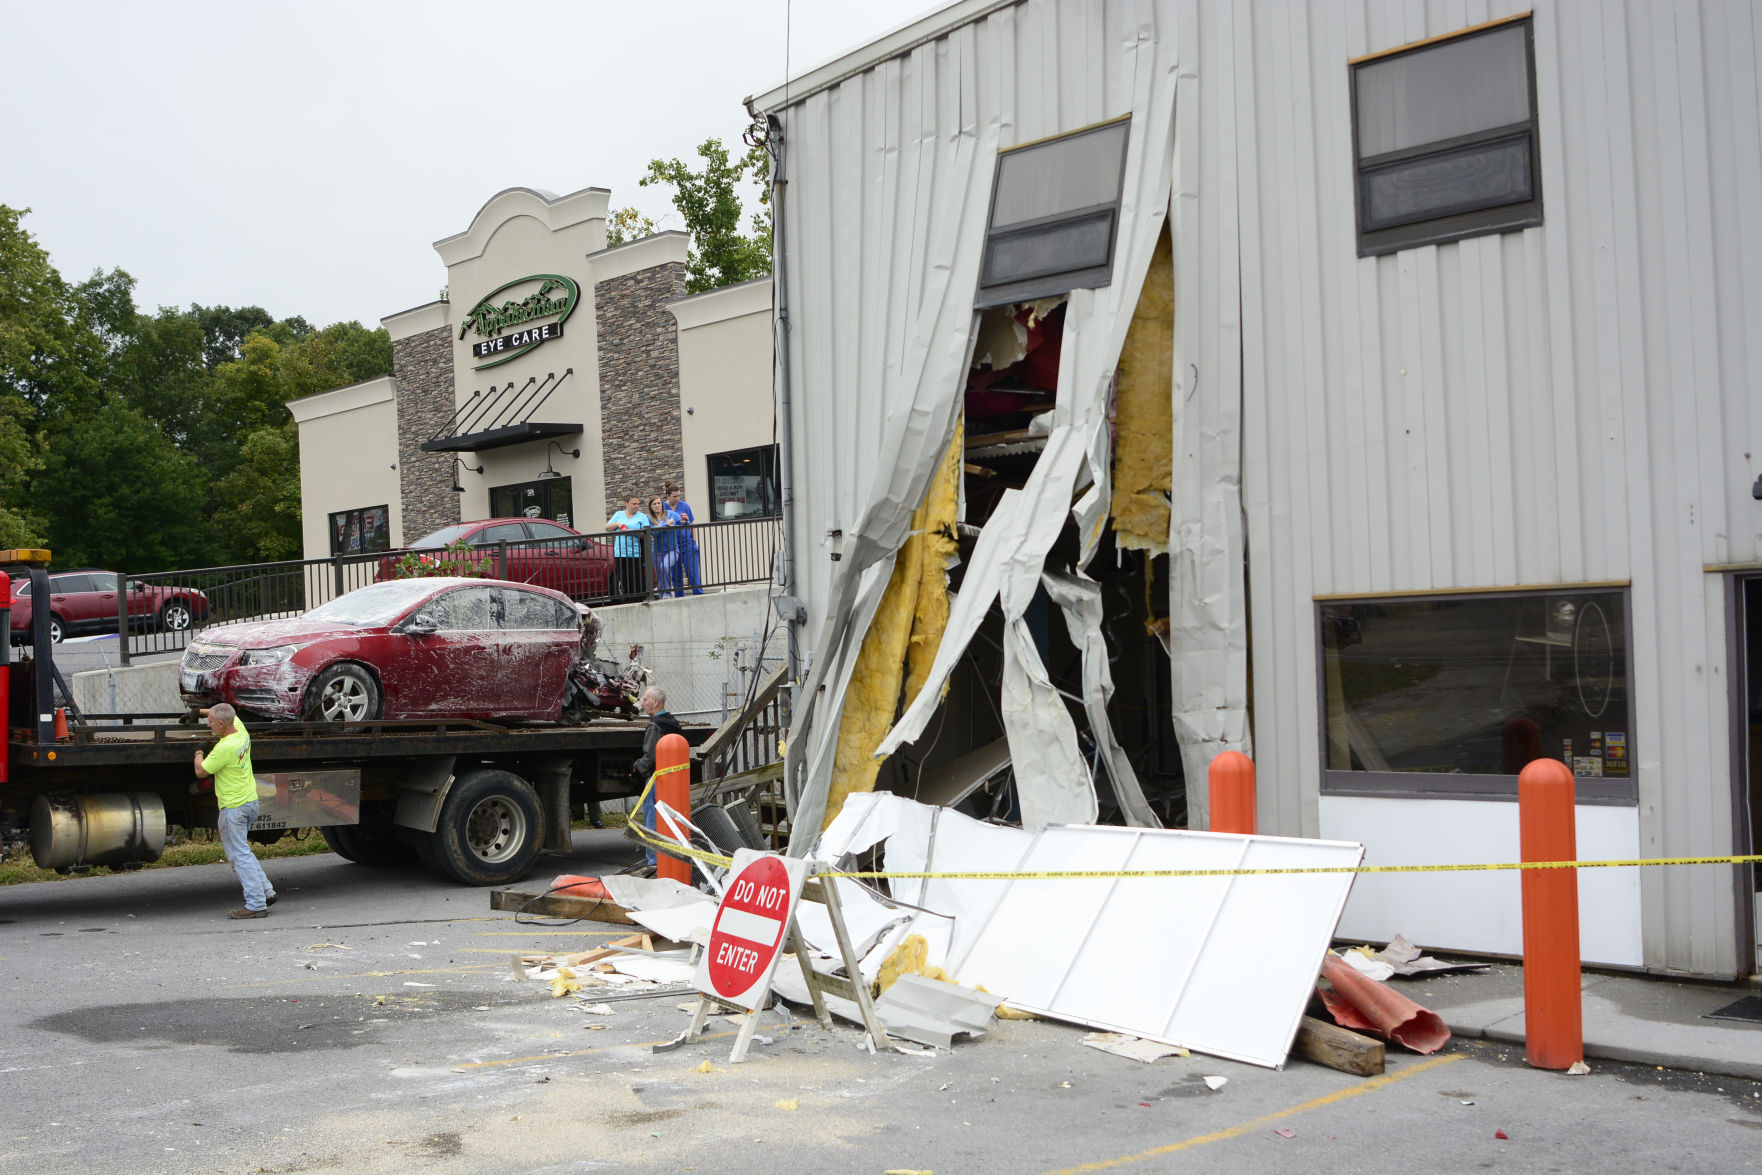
[(702, 650)]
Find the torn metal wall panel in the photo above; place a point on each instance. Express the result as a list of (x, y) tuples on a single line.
[(1208, 577), (1144, 411), (1079, 598), (891, 172)]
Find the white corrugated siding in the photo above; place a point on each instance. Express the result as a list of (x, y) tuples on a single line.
[(1575, 402), (863, 158)]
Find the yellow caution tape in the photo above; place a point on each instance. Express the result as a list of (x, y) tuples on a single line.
[(1112, 874), (677, 849)]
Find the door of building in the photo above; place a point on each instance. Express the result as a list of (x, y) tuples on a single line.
[(1747, 730), (547, 498)]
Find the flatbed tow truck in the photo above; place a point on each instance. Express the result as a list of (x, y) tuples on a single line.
[(474, 801)]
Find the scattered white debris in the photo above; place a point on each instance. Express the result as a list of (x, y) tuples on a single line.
[(1216, 1083)]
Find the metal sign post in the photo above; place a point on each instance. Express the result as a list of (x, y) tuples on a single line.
[(754, 920)]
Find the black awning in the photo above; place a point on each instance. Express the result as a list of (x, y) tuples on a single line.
[(501, 416)]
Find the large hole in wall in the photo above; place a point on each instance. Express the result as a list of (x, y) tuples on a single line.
[(1010, 391)]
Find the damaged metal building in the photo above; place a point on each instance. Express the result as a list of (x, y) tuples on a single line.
[(1363, 385)]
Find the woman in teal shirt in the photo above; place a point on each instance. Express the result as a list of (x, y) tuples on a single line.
[(629, 573)]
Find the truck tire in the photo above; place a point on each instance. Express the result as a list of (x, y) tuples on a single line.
[(489, 830), (372, 842)]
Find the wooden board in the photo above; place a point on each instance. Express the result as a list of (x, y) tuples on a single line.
[(533, 900), (1338, 1048)]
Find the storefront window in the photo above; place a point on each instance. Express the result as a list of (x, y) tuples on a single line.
[(359, 531), (550, 498), (1456, 694), (743, 484)]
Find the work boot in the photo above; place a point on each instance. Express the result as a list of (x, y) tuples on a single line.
[(270, 900), (263, 913)]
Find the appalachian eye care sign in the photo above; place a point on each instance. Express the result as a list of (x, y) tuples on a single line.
[(531, 313), (752, 923)]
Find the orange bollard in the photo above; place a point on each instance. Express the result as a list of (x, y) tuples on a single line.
[(674, 790), (1232, 793), (1553, 1011)]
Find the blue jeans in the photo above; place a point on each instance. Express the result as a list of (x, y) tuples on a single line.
[(648, 822), (234, 823)]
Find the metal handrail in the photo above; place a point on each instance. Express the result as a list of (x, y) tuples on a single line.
[(727, 554)]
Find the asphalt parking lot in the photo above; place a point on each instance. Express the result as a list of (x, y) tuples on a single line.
[(371, 1023)]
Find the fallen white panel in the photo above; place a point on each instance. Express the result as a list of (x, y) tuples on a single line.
[(649, 893), (684, 923), (867, 919), (654, 969), (1221, 965)]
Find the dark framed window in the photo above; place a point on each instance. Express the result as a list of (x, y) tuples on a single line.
[(549, 497), (743, 484), (353, 532), (1055, 213), (1444, 139), (1453, 695)]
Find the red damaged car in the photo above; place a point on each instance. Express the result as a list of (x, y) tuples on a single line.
[(408, 648)]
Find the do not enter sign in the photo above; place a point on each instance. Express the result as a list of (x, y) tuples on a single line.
[(752, 923)]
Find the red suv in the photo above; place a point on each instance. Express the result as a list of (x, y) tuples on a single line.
[(85, 601), (540, 552)]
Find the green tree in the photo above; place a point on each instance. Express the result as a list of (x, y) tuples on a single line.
[(224, 329), (115, 492), (258, 503), (627, 224), (709, 201)]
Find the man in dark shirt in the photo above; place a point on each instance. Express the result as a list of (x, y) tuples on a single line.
[(661, 722)]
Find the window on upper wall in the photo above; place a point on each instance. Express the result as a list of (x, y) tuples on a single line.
[(743, 484), (1055, 212), (1445, 139), (355, 531), (1453, 695)]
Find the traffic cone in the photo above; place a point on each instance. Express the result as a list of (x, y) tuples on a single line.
[(61, 732)]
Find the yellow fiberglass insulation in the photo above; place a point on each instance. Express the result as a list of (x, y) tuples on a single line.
[(1144, 411), (908, 625), (930, 617)]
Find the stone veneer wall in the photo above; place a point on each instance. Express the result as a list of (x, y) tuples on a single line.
[(423, 366), (639, 382)]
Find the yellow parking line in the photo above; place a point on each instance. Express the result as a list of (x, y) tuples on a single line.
[(1327, 1099), (582, 1052)]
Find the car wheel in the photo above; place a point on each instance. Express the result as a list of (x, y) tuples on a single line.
[(175, 616), (55, 631), (489, 830), (345, 692)]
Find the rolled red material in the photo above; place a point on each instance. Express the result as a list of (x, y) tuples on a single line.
[(574, 885), (1367, 1005)]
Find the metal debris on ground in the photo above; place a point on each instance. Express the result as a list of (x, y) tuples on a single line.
[(1403, 959), (1134, 1048)]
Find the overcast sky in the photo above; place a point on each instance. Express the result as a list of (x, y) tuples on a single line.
[(304, 156)]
